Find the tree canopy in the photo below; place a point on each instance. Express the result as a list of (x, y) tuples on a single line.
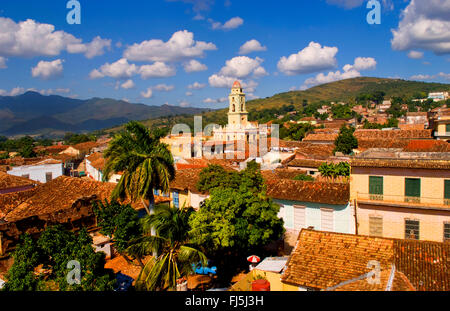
[(346, 141), (52, 251)]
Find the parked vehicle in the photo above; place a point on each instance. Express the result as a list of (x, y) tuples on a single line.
[(208, 270)]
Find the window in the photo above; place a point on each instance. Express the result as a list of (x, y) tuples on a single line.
[(375, 188), (48, 177), (412, 190), (447, 128), (375, 226), (26, 176), (447, 192), (446, 231), (155, 192), (412, 229), (176, 199), (327, 219), (299, 217)]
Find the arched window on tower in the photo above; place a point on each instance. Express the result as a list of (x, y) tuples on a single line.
[(242, 107), (234, 108)]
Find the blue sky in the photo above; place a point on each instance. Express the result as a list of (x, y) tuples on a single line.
[(124, 50)]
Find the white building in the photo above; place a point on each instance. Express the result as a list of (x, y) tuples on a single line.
[(43, 171), (438, 96)]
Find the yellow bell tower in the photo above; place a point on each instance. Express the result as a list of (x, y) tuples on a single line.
[(237, 115)]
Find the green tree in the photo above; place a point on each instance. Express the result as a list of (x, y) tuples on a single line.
[(119, 222), (334, 170), (53, 250), (28, 152), (172, 243), (235, 220), (147, 164), (346, 141), (304, 177)]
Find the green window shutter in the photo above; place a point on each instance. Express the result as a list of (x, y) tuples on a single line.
[(375, 185), (447, 128), (447, 189), (412, 187)]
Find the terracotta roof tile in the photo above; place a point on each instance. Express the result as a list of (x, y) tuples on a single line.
[(325, 259), (186, 179), (58, 195), (393, 134), (306, 191), (321, 137), (9, 181), (401, 163)]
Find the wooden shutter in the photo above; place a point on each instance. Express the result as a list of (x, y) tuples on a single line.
[(375, 226), (447, 128), (447, 189), (375, 185), (412, 187), (299, 217), (412, 229), (48, 177), (327, 219)]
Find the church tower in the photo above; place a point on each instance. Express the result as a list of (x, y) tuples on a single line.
[(237, 115)]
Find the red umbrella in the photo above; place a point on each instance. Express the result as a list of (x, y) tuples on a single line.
[(254, 259)]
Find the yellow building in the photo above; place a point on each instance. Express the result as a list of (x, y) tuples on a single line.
[(399, 197), (440, 122), (238, 128)]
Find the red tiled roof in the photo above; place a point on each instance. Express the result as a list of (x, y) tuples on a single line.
[(306, 191), (427, 146), (186, 179), (58, 195), (321, 137), (9, 181), (325, 259), (393, 134)]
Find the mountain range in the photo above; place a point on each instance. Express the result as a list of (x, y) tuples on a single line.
[(32, 113)]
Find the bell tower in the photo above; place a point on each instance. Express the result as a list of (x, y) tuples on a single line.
[(237, 115)]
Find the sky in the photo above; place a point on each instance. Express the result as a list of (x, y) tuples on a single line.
[(189, 52)]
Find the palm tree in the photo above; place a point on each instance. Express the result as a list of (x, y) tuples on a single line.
[(171, 241), (146, 164)]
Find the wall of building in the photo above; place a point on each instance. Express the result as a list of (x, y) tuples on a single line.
[(432, 183), (38, 172), (431, 227), (343, 216)]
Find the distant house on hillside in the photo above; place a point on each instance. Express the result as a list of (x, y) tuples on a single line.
[(95, 164), (80, 150), (43, 171)]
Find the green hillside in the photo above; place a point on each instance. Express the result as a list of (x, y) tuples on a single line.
[(344, 90)]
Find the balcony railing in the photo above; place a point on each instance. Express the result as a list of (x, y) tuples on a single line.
[(405, 200), (442, 134)]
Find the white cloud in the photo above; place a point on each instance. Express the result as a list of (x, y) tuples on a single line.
[(242, 67), (251, 46), (48, 70), (194, 66), (3, 62), (95, 48), (30, 38), (157, 70), (441, 75), (14, 92), (164, 87), (424, 25), (311, 59), (221, 81), (147, 94), (415, 55), (348, 72), (179, 47), (121, 69), (215, 101), (189, 94), (129, 84), (196, 86), (184, 103), (233, 23), (54, 91)]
